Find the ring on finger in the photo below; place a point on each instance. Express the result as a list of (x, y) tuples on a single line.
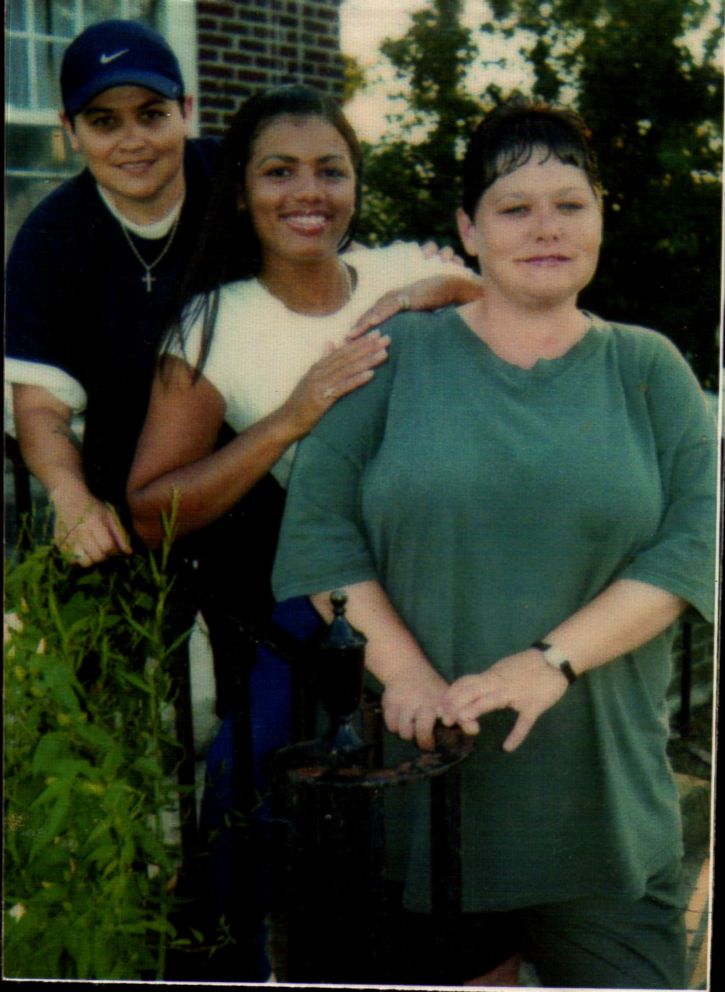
[(404, 301)]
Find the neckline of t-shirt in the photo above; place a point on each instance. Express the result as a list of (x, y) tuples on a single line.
[(314, 318), (150, 232), (544, 369)]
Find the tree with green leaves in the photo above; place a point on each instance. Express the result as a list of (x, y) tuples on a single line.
[(645, 77), (409, 176)]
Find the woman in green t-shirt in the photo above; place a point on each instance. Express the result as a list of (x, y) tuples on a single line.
[(519, 507)]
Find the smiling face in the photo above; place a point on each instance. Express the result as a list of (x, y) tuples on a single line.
[(299, 189), (133, 142), (536, 232)]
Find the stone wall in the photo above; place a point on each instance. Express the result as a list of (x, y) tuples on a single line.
[(248, 45)]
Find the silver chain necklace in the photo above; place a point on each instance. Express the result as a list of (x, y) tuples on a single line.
[(147, 278)]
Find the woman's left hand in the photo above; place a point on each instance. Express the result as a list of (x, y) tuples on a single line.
[(425, 294), (523, 682), (429, 249), (432, 250)]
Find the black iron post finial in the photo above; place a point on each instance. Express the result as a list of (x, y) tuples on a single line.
[(341, 668)]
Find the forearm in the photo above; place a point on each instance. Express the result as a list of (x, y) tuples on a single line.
[(425, 294), (85, 528), (623, 617), (50, 449), (413, 689), (391, 648), (207, 487), (461, 289), (176, 460)]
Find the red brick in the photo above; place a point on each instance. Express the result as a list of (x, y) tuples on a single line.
[(206, 7), (237, 58), (222, 102), (252, 75), (234, 35), (216, 72), (214, 40)]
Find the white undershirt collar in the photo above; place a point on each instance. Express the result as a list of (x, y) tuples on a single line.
[(153, 231)]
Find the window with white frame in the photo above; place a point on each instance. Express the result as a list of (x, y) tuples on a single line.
[(37, 156)]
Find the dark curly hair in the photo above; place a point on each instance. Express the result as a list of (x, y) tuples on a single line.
[(507, 136)]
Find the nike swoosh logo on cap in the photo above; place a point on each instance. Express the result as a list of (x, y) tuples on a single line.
[(105, 59)]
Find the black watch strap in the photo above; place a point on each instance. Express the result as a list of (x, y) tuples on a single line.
[(555, 658)]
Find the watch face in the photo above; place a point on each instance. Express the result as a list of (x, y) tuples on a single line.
[(555, 657)]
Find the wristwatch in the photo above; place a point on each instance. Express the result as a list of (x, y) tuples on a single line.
[(557, 659)]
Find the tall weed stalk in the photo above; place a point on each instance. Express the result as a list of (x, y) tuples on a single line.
[(90, 761)]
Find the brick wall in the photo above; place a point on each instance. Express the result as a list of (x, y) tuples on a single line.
[(248, 45)]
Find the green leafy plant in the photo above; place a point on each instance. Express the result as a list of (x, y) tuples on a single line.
[(91, 797)]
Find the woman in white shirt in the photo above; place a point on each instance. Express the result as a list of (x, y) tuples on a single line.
[(264, 341), (270, 333)]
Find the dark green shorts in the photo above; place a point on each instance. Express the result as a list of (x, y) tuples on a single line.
[(600, 943), (611, 943)]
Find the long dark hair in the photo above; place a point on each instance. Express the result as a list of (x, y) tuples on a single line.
[(506, 137), (228, 247)]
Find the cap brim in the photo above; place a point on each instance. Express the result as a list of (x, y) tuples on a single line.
[(168, 88)]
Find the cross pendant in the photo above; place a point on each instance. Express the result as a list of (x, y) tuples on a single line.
[(148, 279)]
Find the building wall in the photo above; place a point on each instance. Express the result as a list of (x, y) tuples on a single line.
[(248, 45)]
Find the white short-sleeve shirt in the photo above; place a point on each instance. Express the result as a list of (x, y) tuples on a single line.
[(261, 349)]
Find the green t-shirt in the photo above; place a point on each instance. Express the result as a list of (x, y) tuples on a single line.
[(492, 502)]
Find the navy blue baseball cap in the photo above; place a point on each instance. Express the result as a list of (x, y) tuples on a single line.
[(117, 53)]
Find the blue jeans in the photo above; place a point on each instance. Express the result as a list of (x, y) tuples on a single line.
[(270, 707)]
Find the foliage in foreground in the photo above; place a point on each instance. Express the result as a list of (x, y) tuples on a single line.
[(89, 771)]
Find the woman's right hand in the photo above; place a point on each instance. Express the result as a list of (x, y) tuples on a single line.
[(87, 530), (342, 369), (411, 702), (177, 455)]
